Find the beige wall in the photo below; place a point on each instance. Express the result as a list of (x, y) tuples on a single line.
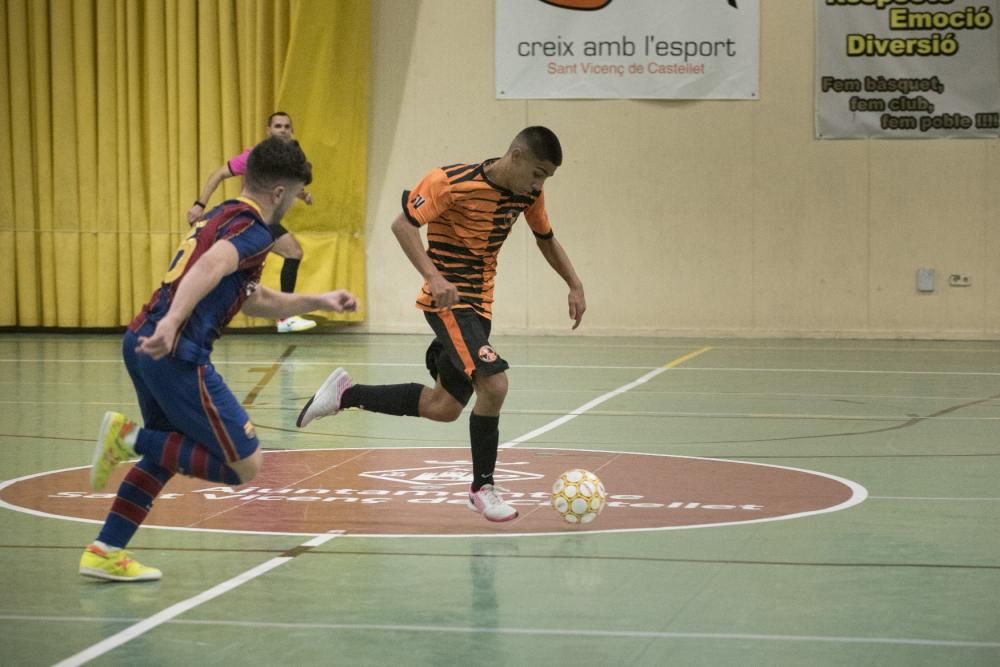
[(687, 218)]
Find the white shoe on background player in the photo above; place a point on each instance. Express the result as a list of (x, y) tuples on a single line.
[(294, 323)]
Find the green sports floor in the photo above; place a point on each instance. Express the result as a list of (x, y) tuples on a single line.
[(904, 572)]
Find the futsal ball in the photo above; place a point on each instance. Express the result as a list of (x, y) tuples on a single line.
[(578, 495)]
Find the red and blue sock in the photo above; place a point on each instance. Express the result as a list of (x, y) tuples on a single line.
[(163, 455), (134, 501)]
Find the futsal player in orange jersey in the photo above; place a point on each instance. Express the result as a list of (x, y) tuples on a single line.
[(468, 210)]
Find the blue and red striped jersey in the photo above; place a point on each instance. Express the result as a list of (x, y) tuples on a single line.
[(238, 221)]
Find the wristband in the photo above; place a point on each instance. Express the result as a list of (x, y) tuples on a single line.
[(198, 203)]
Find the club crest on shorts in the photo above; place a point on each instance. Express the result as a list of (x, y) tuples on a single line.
[(487, 354), (249, 430)]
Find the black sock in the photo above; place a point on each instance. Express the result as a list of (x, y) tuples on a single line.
[(389, 399), (289, 274), (484, 434)]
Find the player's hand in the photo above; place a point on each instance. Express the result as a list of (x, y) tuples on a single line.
[(445, 294), (194, 213), (161, 342), (577, 305), (339, 301)]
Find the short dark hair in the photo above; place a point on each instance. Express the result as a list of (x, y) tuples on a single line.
[(274, 160), (278, 113), (542, 142)]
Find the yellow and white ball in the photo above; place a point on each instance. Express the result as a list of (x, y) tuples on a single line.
[(578, 495)]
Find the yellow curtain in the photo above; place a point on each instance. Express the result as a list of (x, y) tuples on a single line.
[(118, 110)]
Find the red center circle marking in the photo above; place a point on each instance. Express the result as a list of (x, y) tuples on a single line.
[(422, 492)]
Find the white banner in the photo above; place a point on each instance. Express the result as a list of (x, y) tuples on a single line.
[(907, 69), (652, 49)]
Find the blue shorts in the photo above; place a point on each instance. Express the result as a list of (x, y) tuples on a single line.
[(191, 399)]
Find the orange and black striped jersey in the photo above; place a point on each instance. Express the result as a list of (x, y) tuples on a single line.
[(468, 218)]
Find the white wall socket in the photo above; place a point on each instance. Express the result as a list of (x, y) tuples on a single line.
[(959, 280)]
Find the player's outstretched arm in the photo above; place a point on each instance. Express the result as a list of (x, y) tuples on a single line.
[(216, 177), (269, 303), (557, 258)]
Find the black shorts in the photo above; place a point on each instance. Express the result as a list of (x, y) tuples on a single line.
[(277, 231), (461, 350)]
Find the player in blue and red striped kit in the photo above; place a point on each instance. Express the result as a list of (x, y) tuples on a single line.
[(192, 422)]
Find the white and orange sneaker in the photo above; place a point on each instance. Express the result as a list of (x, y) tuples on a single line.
[(488, 502), (326, 401)]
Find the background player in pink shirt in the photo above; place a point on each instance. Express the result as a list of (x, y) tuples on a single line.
[(279, 124)]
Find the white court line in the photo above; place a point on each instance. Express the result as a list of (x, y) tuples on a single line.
[(864, 371), (170, 613), (971, 500), (302, 480), (145, 625), (698, 369), (601, 399), (543, 632), (585, 341), (183, 606)]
